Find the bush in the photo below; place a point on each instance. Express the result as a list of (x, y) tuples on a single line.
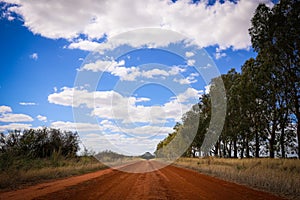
[(38, 143)]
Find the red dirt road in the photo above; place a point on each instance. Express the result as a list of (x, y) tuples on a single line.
[(166, 183)]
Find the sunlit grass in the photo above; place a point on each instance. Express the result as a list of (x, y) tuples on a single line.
[(279, 176), (28, 172)]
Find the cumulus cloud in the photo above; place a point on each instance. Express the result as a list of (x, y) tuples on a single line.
[(101, 66), (73, 126), (84, 45), (123, 123), (75, 97), (155, 72), (191, 62), (4, 109), (42, 118), (6, 115), (118, 69), (34, 56), (190, 93), (6, 14), (150, 37), (186, 81), (223, 24), (189, 54), (219, 54), (112, 105), (115, 68), (14, 126), (11, 117)]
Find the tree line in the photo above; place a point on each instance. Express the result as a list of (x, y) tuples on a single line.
[(37, 143), (263, 100)]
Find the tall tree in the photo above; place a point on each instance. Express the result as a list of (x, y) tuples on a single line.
[(275, 35)]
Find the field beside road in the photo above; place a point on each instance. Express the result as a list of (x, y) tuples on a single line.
[(278, 176), (170, 182), (22, 172)]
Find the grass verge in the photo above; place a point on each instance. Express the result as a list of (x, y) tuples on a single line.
[(25, 172), (278, 176)]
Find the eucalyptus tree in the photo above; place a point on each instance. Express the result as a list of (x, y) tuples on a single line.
[(275, 35)]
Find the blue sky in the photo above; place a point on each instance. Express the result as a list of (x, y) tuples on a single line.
[(46, 58)]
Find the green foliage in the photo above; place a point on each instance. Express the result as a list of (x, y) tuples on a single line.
[(37, 143), (263, 101)]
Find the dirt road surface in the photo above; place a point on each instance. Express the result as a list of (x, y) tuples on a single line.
[(166, 183)]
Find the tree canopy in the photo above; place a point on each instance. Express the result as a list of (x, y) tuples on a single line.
[(263, 101)]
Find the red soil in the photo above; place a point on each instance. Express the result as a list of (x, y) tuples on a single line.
[(167, 183)]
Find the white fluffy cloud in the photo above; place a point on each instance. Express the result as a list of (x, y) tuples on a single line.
[(189, 54), (34, 56), (6, 115), (112, 105), (191, 62), (14, 126), (155, 72), (76, 97), (4, 109), (11, 117), (224, 24), (115, 68), (42, 118), (84, 45), (219, 54), (102, 66), (190, 93), (73, 126), (150, 37), (186, 81), (130, 73)]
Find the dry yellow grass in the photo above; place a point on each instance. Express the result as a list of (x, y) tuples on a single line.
[(278, 176), (17, 178)]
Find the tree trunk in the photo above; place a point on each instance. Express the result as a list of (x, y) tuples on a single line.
[(282, 143), (217, 148), (230, 148), (224, 149), (235, 149), (271, 143), (297, 113), (256, 144), (243, 148), (284, 121), (298, 135), (242, 152), (247, 148)]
